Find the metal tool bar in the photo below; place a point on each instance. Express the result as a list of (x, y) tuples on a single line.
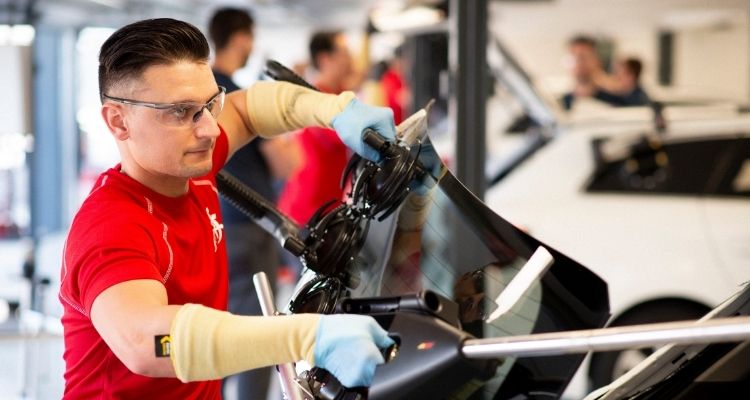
[(734, 329), (287, 374)]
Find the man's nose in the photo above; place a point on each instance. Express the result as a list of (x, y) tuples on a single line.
[(206, 125)]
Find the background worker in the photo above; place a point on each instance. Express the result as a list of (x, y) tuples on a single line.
[(586, 65), (621, 89), (625, 83), (324, 155)]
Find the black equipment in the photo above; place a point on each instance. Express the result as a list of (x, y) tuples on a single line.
[(409, 226)]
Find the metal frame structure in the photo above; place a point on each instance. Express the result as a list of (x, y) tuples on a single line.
[(468, 61)]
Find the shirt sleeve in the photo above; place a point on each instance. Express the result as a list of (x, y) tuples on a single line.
[(98, 256)]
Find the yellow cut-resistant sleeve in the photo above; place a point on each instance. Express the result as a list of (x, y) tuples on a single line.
[(278, 107), (210, 344)]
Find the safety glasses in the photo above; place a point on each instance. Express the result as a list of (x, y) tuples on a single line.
[(179, 114)]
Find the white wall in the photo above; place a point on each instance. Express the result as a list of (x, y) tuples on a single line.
[(714, 63), (15, 90), (287, 45)]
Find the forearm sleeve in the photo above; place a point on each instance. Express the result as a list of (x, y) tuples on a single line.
[(278, 107), (209, 344)]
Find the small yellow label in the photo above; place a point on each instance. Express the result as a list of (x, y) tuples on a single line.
[(163, 345)]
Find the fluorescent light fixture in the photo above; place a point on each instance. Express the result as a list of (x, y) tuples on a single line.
[(388, 19)]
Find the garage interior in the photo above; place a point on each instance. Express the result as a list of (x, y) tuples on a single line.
[(600, 216)]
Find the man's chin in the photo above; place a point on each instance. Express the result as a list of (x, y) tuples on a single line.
[(197, 171)]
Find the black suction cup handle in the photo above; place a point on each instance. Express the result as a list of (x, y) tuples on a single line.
[(374, 140), (324, 386), (295, 246), (279, 72)]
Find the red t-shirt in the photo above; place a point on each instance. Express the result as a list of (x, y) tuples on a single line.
[(324, 158), (317, 181), (393, 87), (125, 231)]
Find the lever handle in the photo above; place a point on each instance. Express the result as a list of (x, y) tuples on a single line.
[(279, 72), (374, 140)]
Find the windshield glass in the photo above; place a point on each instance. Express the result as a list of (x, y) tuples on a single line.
[(446, 240)]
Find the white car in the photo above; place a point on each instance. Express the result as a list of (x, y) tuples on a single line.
[(665, 256), (666, 222)]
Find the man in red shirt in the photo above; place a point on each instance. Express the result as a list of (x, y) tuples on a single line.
[(396, 92), (324, 154), (143, 278)]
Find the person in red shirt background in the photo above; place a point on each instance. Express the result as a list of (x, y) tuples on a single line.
[(324, 156), (396, 92)]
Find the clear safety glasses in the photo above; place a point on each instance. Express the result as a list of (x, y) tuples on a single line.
[(179, 114)]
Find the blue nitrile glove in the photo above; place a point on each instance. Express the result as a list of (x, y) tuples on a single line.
[(351, 123), (347, 346)]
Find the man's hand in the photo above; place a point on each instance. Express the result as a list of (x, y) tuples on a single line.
[(351, 123), (348, 347)]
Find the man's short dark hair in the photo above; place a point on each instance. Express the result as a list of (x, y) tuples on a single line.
[(583, 40), (322, 42), (635, 67), (226, 22), (135, 47)]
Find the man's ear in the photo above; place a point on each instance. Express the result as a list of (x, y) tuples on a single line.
[(114, 117)]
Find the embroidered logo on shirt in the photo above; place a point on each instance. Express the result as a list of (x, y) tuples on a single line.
[(216, 227)]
